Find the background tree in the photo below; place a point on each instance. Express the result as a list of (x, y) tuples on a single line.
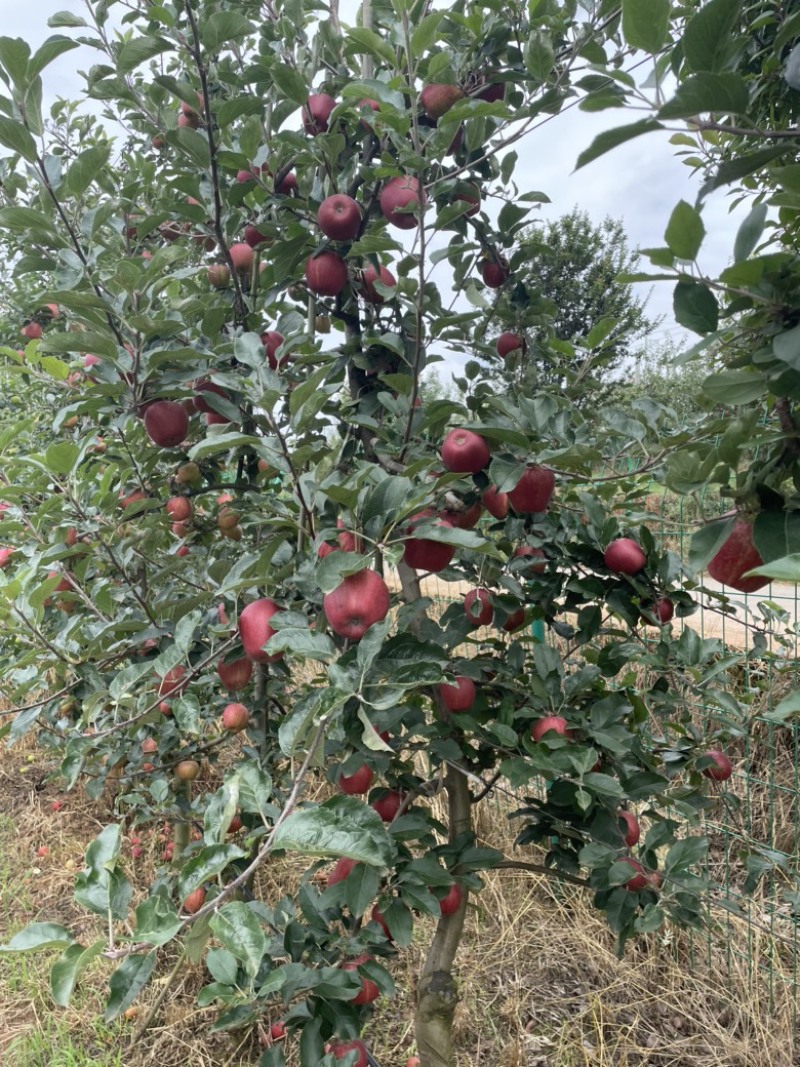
[(581, 321)]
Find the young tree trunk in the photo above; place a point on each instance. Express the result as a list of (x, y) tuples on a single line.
[(437, 993)]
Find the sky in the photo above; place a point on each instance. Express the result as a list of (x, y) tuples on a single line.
[(639, 182)]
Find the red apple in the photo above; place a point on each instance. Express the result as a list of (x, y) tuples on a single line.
[(377, 916), (242, 257), (317, 112), (278, 1031), (341, 870), (533, 491), (402, 200), (166, 423), (464, 520), (173, 683), (437, 99), (721, 768), (326, 273), (341, 1048), (272, 341), (421, 553), (203, 385), (737, 556), (529, 552), (450, 904), (5, 557), (194, 902), (369, 990), (510, 342), (235, 717), (31, 330), (464, 452), (639, 880), (366, 279), (632, 831), (624, 556), (663, 609), (495, 272), (255, 630), (556, 724), (514, 620), (470, 194), (253, 236), (388, 805), (458, 695), (361, 600), (358, 783), (339, 217), (236, 674), (179, 508), (478, 606), (496, 503)]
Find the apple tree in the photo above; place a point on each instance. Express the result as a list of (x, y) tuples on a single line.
[(219, 534)]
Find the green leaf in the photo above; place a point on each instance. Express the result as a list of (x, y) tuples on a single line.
[(609, 139), (156, 920), (36, 936), (786, 347), (127, 982), (237, 928), (65, 18), (734, 386), (14, 136), (785, 569), (749, 233), (361, 888), (695, 307), (342, 826), (425, 34), (221, 442), (790, 705), (86, 168), (740, 167), (539, 55), (718, 93), (194, 144), (290, 82), (776, 534), (367, 42), (645, 23), (224, 26), (706, 542), (685, 231), (61, 458), (67, 970), (207, 863), (49, 51), (222, 966), (140, 49), (14, 56), (707, 37)]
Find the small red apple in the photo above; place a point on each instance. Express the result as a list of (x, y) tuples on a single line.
[(242, 257), (640, 879), (450, 904), (437, 99), (358, 783), (361, 600), (339, 217), (235, 718), (173, 682), (663, 609), (369, 991), (278, 1031), (495, 272), (514, 620), (326, 273), (478, 606), (378, 917), (458, 695), (496, 503), (624, 556), (341, 870), (365, 283), (179, 508), (194, 902), (737, 556), (340, 1049), (166, 423), (464, 452), (31, 330), (556, 724), (401, 201), (255, 630), (632, 831), (529, 552), (421, 553), (510, 342), (388, 805), (253, 236), (532, 493), (272, 341), (464, 520), (317, 112), (721, 767), (235, 674), (470, 194)]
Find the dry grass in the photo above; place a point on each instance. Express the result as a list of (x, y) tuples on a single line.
[(541, 985)]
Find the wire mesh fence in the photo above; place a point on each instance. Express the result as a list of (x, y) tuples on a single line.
[(754, 824)]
